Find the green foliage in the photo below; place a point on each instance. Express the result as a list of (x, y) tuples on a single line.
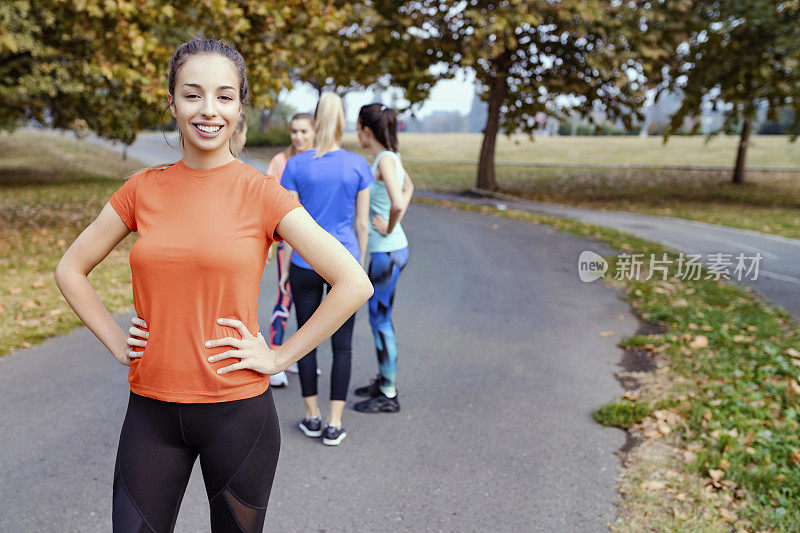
[(740, 54), (102, 65), (273, 136)]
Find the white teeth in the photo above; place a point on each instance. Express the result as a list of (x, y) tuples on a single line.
[(208, 129)]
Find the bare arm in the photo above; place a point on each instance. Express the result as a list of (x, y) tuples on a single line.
[(350, 287), (88, 250), (362, 223), (283, 283)]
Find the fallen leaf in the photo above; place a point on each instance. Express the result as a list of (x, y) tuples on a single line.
[(680, 302), (663, 428), (689, 457), (28, 304), (728, 516), (724, 464), (32, 323), (795, 456), (55, 312), (701, 341), (606, 333), (793, 389), (39, 283), (15, 290), (791, 352), (715, 474), (653, 484)]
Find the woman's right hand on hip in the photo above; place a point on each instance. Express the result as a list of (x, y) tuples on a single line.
[(137, 338)]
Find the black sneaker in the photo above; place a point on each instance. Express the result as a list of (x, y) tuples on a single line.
[(378, 404), (333, 436), (312, 427), (371, 390)]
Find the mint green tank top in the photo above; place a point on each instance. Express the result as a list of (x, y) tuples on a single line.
[(379, 204)]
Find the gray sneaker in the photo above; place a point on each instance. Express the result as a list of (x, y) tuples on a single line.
[(333, 436), (312, 427)]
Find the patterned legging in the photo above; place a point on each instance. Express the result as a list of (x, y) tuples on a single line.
[(280, 314), (384, 271)]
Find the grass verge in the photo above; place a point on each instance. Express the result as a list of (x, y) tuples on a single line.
[(718, 418), (49, 192)]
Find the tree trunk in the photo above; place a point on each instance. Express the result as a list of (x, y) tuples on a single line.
[(741, 156), (497, 93)]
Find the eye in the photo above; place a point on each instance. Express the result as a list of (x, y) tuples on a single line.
[(224, 97), (192, 96)]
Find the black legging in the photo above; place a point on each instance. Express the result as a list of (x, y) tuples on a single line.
[(237, 441), (307, 287)]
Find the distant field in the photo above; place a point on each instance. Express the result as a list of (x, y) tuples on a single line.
[(769, 202), (765, 150)]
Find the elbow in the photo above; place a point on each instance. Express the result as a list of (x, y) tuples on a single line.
[(395, 210), (365, 288), (59, 273)]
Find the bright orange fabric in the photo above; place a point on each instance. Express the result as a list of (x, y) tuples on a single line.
[(203, 241)]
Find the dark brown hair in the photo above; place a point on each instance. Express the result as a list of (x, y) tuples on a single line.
[(382, 121)]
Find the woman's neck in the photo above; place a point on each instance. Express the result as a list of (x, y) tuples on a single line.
[(375, 148), (203, 160)]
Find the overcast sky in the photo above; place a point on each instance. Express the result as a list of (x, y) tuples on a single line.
[(447, 95)]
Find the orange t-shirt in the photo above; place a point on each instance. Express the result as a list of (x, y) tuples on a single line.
[(203, 241)]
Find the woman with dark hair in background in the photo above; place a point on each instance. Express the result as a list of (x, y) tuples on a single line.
[(198, 365), (301, 133), (332, 184), (390, 195)]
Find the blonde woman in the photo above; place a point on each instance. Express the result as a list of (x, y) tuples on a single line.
[(332, 184), (301, 133)]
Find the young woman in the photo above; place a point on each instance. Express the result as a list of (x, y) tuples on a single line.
[(390, 195), (331, 183), (198, 365), (301, 133)]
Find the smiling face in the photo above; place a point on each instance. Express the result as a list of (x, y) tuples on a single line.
[(301, 132), (206, 106)]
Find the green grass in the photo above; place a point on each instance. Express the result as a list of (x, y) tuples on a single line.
[(623, 413), (49, 192), (739, 397)]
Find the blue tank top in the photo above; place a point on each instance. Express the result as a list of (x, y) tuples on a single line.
[(379, 204)]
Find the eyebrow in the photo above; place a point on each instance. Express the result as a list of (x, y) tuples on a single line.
[(197, 85)]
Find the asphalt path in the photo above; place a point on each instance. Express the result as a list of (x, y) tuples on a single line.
[(502, 361)]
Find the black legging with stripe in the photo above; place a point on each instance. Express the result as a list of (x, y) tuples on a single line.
[(237, 442)]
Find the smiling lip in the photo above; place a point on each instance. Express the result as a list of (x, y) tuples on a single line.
[(207, 129)]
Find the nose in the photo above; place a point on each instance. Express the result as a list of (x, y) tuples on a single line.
[(208, 109)]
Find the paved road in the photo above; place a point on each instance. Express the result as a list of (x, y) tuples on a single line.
[(779, 270), (501, 366)]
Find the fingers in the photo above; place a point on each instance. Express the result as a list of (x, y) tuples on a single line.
[(236, 366), (225, 355), (132, 354), (233, 323), (136, 332), (227, 341), (136, 342), (136, 321)]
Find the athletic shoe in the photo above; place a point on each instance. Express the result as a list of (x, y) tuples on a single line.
[(378, 404), (371, 390), (312, 427), (279, 380), (333, 436), (293, 369)]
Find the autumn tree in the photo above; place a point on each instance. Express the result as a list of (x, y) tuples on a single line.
[(532, 56), (740, 55), (102, 65)]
